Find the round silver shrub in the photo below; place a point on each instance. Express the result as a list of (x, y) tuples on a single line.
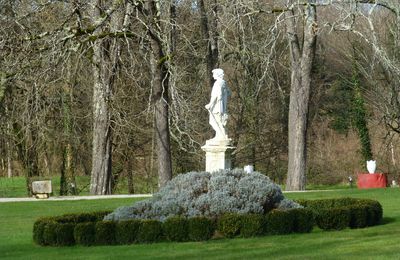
[(203, 194)]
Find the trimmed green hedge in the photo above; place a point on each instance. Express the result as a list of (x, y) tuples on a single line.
[(89, 228), (303, 220), (200, 228), (176, 229), (105, 233), (67, 230), (280, 222), (252, 225), (65, 234), (229, 225), (333, 219), (126, 231), (84, 233), (150, 231), (38, 229), (337, 214)]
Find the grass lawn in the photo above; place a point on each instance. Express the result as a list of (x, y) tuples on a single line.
[(379, 242), (15, 187)]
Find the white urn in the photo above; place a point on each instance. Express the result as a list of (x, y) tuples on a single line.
[(249, 168), (371, 166)]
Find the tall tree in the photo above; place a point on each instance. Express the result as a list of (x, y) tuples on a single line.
[(67, 180), (160, 80), (209, 25), (106, 52), (301, 57)]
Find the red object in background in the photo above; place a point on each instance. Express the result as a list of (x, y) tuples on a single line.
[(374, 180)]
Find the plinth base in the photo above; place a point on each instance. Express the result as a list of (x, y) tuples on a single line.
[(374, 180), (218, 154)]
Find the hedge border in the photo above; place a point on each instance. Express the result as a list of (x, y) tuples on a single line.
[(89, 228), (337, 214)]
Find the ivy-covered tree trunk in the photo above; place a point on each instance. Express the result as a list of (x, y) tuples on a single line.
[(360, 117)]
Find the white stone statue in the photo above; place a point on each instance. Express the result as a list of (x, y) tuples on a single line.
[(218, 105)]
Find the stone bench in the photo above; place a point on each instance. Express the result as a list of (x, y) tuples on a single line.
[(41, 189)]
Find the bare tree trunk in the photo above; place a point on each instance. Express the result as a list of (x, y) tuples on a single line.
[(160, 96), (209, 30), (102, 132), (27, 151), (105, 58), (161, 100), (8, 147), (129, 175), (68, 182), (9, 166), (301, 65)]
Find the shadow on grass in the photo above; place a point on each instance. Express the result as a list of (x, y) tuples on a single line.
[(387, 220)]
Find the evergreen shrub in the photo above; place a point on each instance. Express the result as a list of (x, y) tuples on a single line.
[(105, 232), (358, 216), (279, 222), (126, 231), (150, 231), (374, 213), (362, 212), (303, 220), (38, 228), (200, 228), (65, 234), (334, 218), (176, 229), (229, 225), (49, 233), (252, 225), (84, 233)]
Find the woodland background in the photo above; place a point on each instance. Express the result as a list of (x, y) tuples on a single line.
[(92, 88)]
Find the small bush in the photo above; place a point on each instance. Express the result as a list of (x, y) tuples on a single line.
[(374, 213), (303, 220), (65, 234), (126, 231), (176, 229), (252, 225), (279, 222), (229, 225), (358, 216), (200, 228), (49, 233), (105, 232), (150, 231), (38, 229), (84, 233), (333, 219)]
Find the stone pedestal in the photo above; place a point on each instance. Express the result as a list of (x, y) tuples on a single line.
[(218, 154)]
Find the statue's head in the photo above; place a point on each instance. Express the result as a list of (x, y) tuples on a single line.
[(218, 73)]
